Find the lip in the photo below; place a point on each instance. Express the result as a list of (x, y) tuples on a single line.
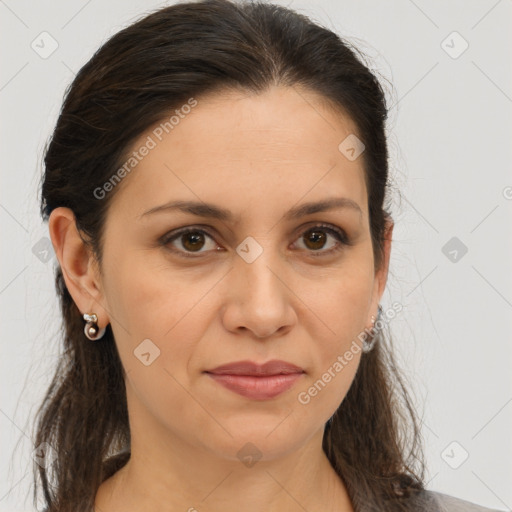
[(274, 367), (255, 381)]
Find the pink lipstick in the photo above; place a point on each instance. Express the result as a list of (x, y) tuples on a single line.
[(257, 382)]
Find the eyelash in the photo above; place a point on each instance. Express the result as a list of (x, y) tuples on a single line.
[(336, 232)]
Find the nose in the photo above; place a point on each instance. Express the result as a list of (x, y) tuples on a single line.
[(258, 299)]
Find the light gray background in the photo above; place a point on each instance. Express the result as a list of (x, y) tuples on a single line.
[(450, 143)]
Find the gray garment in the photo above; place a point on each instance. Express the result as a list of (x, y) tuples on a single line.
[(424, 501), (436, 502), (447, 503)]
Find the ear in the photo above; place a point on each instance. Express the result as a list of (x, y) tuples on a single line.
[(381, 274), (79, 267)]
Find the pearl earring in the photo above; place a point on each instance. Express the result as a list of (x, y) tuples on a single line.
[(91, 329)]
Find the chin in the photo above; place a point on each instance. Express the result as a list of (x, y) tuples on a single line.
[(263, 441)]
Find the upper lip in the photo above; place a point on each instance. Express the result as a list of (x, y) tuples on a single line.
[(274, 367)]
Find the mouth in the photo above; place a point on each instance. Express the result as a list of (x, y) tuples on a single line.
[(257, 382)]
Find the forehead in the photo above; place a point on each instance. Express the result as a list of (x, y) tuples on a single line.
[(270, 147)]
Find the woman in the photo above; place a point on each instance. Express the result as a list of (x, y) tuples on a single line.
[(215, 192)]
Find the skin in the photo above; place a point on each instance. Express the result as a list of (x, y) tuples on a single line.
[(258, 156)]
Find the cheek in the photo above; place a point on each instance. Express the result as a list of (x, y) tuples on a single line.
[(156, 327), (340, 307), (171, 308), (336, 359), (341, 300)]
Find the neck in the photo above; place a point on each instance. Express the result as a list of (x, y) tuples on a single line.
[(193, 479)]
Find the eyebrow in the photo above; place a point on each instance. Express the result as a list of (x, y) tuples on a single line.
[(202, 209)]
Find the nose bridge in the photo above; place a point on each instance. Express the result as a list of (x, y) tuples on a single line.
[(259, 264), (260, 300)]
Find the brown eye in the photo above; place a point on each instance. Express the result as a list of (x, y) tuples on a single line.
[(192, 241), (189, 241), (316, 239)]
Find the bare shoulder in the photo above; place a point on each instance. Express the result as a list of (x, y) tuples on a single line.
[(447, 503)]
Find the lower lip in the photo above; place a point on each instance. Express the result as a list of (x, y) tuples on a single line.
[(257, 388)]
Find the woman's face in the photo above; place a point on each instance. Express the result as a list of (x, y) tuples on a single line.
[(259, 277)]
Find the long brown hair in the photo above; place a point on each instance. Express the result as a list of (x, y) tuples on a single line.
[(133, 81)]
